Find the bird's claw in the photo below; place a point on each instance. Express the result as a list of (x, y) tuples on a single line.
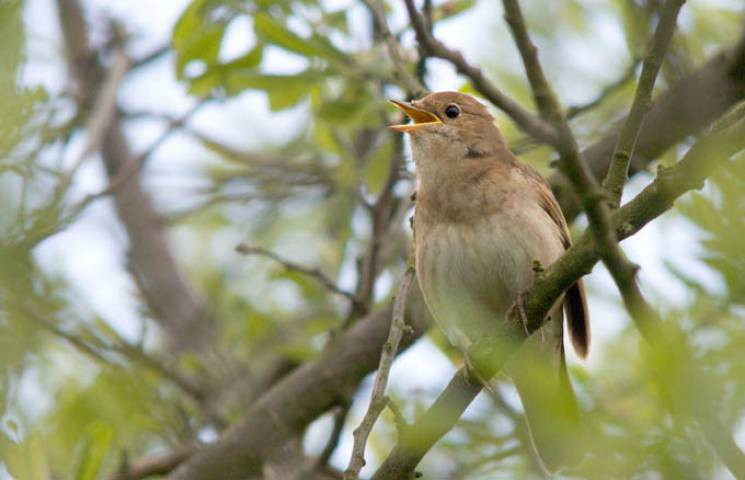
[(519, 304)]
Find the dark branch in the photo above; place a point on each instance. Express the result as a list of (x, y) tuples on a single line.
[(619, 167)]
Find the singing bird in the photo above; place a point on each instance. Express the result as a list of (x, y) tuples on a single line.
[(482, 219)]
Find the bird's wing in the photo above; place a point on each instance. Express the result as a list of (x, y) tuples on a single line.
[(575, 303)]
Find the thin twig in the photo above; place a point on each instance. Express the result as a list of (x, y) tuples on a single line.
[(104, 110), (411, 83), (94, 347), (527, 143), (526, 120), (377, 398), (619, 166), (151, 57), (398, 416), (159, 464), (133, 164), (136, 162), (316, 273), (340, 418), (605, 92)]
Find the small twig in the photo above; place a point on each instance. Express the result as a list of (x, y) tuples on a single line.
[(134, 164), (104, 110), (398, 416), (340, 418), (619, 166), (608, 90), (412, 84), (316, 273), (526, 120), (378, 398), (526, 143), (151, 57), (160, 464)]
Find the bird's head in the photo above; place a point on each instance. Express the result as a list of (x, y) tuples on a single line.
[(449, 124)]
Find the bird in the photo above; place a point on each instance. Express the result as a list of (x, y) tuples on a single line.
[(482, 220)]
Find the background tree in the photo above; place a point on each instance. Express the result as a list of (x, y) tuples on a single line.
[(205, 222)]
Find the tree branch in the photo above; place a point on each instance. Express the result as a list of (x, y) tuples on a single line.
[(377, 397), (160, 464), (410, 82), (573, 165), (175, 303), (321, 277), (302, 395), (340, 417), (619, 166)]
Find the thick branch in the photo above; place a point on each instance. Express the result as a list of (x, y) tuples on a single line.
[(618, 171), (301, 396), (175, 303)]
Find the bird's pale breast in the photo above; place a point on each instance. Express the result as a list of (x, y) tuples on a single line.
[(471, 272)]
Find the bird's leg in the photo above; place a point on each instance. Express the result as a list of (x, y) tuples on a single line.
[(520, 306), (472, 374)]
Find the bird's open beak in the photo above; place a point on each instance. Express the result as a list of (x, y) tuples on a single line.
[(418, 116)]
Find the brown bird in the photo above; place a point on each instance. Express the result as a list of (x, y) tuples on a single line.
[(482, 218)]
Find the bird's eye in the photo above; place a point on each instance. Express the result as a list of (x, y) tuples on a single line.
[(452, 111)]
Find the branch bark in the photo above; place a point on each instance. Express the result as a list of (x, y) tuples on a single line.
[(301, 396), (377, 397), (179, 308), (619, 167)]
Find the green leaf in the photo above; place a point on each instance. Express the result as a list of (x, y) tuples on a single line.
[(273, 32), (196, 37), (95, 446), (270, 30), (284, 91), (376, 170), (451, 9), (249, 60)]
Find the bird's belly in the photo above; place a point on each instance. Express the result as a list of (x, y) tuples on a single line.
[(471, 273)]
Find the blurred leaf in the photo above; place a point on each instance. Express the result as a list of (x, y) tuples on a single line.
[(635, 26), (450, 9), (272, 31), (196, 37), (376, 169), (93, 449), (284, 91)]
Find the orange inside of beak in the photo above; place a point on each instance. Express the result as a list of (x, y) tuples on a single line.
[(418, 116)]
